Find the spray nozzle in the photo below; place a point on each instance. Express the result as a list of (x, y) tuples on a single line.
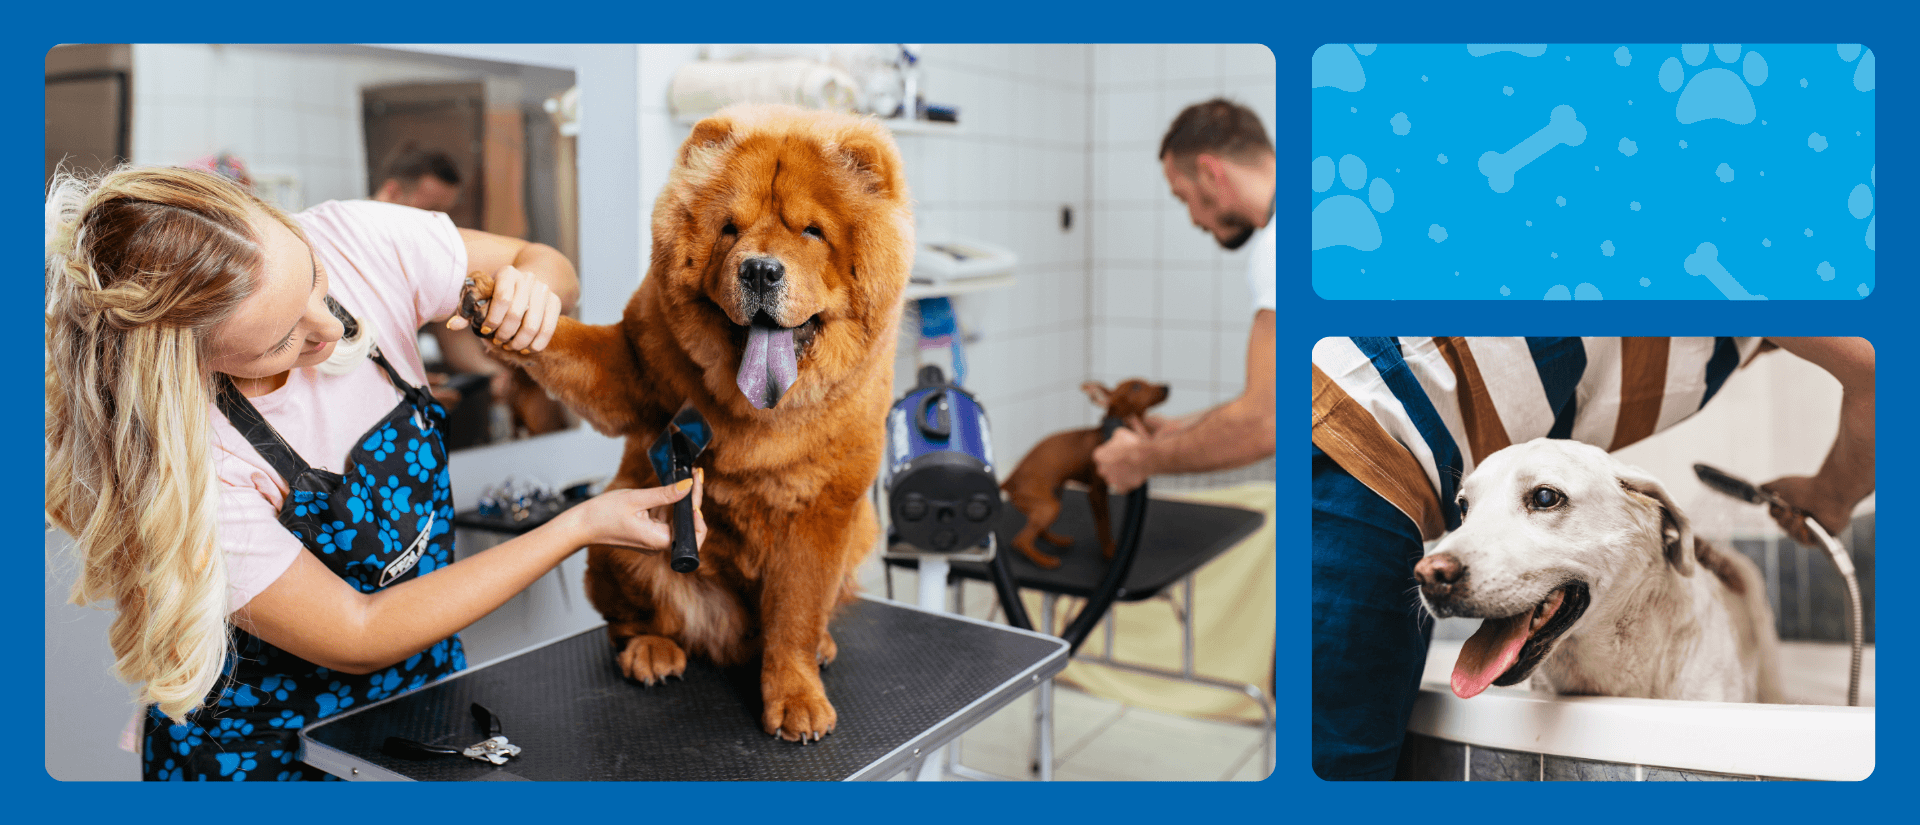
[(1727, 484)]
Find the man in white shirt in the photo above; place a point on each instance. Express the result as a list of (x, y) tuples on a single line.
[(1220, 163)]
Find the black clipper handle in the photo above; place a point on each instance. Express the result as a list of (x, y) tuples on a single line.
[(686, 554)]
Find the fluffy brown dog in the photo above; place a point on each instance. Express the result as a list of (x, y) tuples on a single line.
[(1034, 486), (781, 245)]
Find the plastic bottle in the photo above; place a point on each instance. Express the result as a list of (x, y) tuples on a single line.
[(911, 105)]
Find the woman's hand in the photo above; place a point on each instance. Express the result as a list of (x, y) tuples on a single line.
[(522, 311), (641, 519), (314, 614)]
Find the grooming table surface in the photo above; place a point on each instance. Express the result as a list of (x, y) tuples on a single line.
[(906, 681), (1178, 537)]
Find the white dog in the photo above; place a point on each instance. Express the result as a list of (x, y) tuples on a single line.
[(1586, 572)]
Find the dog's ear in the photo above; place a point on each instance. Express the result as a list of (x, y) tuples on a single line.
[(868, 150), (1097, 393), (709, 134), (1676, 532)]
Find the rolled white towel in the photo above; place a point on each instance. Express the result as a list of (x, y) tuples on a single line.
[(702, 87)]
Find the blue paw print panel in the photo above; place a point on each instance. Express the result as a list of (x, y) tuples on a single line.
[(1589, 172)]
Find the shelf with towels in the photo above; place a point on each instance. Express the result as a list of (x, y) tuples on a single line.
[(899, 126), (957, 286)]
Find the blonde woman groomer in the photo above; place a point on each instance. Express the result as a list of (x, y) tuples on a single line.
[(254, 471)]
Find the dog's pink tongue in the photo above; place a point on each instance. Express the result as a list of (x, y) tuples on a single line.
[(767, 368), (1492, 649)]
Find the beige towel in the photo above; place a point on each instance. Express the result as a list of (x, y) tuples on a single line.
[(1233, 634), (702, 87)]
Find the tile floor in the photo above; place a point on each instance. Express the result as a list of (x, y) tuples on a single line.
[(1095, 739)]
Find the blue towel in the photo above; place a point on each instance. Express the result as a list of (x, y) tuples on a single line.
[(939, 328)]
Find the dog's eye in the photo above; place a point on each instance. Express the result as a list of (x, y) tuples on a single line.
[(1545, 498), (814, 232), (1463, 506), (729, 229)]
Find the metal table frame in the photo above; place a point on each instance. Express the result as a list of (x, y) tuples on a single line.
[(955, 577), (362, 762)]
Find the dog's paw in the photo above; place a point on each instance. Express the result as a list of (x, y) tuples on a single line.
[(476, 296), (651, 659), (1039, 559), (802, 716), (828, 650)]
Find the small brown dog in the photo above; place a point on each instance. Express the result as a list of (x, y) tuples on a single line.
[(1034, 485)]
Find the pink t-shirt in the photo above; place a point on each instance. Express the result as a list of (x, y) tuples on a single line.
[(395, 268)]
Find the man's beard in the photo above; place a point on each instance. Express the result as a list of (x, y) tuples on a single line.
[(1242, 226), (1242, 231)]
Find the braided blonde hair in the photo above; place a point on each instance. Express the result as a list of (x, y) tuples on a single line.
[(142, 265)]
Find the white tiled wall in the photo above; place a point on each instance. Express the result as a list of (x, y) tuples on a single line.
[(1167, 301), (282, 112), (1775, 416), (659, 136), (1130, 289), (296, 111), (1002, 177), (1019, 157)]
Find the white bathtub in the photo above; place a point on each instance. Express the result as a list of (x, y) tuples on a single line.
[(1820, 739)]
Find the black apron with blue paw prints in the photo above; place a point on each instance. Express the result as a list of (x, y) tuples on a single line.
[(386, 520)]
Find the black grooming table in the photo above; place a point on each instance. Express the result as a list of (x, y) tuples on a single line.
[(906, 681), (1178, 537)]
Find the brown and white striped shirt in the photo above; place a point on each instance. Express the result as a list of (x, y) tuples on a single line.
[(1409, 417)]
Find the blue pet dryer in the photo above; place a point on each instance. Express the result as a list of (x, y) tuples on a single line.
[(942, 495)]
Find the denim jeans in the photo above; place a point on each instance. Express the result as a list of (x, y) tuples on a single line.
[(1369, 638)]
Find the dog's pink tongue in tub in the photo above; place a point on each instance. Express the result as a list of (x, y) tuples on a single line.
[(1496, 646)]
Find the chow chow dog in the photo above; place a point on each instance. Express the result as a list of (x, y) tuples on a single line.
[(781, 246)]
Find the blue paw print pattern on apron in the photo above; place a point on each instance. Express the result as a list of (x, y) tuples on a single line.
[(387, 519), (1590, 172)]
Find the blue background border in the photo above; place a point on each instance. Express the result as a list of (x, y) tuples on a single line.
[(1293, 791)]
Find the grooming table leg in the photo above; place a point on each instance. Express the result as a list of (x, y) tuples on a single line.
[(932, 588), (1186, 628), (1043, 708)]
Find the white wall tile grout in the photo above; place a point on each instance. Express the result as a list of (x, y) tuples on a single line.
[(1129, 289)]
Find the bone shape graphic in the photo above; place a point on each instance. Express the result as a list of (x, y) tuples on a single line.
[(1705, 260), (1562, 127)]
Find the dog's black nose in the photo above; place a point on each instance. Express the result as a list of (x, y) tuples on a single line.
[(1438, 574), (757, 275)]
